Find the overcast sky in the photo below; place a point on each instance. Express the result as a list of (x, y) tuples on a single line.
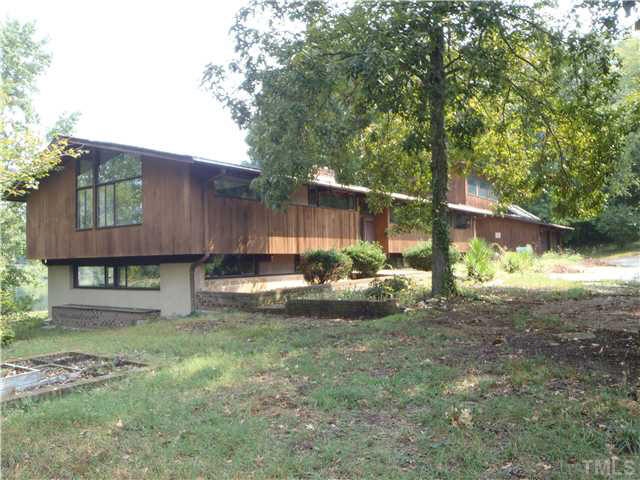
[(133, 69)]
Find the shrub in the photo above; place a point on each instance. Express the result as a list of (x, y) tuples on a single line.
[(517, 261), (367, 257), (387, 288), (455, 255), (478, 261), (322, 266), (7, 335), (420, 257)]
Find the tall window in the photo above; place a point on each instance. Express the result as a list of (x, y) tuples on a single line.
[(84, 194), (119, 189), (114, 184), (118, 276), (480, 188)]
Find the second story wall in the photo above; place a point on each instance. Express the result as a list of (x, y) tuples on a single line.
[(171, 217)]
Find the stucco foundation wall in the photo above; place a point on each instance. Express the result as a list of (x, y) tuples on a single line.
[(173, 298)]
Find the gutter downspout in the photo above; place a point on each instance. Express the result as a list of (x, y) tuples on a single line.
[(205, 233)]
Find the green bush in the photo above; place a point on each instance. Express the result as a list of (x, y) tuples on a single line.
[(420, 257), (517, 261), (367, 257), (387, 288), (322, 266), (7, 334), (478, 261)]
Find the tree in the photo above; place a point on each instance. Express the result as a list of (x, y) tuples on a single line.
[(498, 88), (27, 154)]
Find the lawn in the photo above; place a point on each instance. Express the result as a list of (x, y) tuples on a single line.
[(478, 388)]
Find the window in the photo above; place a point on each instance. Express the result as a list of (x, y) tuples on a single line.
[(461, 221), (114, 184), (120, 276), (231, 265), (84, 193), (319, 197), (235, 188), (119, 189), (480, 188)]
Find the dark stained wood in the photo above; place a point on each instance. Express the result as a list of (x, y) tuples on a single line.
[(513, 233), (172, 219)]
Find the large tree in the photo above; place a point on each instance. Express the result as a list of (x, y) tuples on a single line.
[(28, 151), (395, 95)]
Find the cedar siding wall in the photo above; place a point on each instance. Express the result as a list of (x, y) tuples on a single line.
[(183, 216), (172, 219), (512, 232), (246, 226)]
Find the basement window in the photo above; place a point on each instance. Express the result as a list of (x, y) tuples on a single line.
[(231, 266), (133, 277)]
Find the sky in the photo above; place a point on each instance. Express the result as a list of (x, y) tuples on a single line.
[(132, 69)]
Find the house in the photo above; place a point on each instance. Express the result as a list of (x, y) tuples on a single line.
[(130, 227)]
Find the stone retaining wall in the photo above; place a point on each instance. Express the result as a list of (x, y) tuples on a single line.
[(87, 316), (210, 300), (341, 308)]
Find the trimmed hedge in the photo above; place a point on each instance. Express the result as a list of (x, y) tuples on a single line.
[(420, 257), (322, 266), (367, 257)]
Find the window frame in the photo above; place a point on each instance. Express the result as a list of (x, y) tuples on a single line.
[(90, 188), (94, 158), (113, 183), (479, 184), (117, 274), (255, 196), (314, 192)]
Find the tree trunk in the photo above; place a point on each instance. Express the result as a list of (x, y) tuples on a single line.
[(442, 282)]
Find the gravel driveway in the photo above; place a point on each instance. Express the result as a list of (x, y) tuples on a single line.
[(625, 269)]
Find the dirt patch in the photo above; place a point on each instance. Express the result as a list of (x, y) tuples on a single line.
[(613, 351), (601, 312)]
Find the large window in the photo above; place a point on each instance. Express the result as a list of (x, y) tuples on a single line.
[(235, 188), (117, 276), (109, 187), (480, 188), (84, 194), (119, 189), (231, 265), (320, 197)]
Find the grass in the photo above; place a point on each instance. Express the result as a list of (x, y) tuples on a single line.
[(241, 395)]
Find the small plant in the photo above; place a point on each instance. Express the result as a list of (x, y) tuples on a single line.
[(322, 266), (388, 288), (367, 257), (513, 262), (420, 257), (478, 261)]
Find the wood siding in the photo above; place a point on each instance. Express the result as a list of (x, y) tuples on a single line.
[(183, 216), (457, 190), (246, 226), (512, 232), (172, 218)]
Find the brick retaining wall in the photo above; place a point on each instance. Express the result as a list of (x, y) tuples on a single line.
[(89, 316)]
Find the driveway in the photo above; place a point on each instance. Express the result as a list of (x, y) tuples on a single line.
[(626, 269)]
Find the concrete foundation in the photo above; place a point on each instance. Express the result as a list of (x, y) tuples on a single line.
[(173, 298)]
